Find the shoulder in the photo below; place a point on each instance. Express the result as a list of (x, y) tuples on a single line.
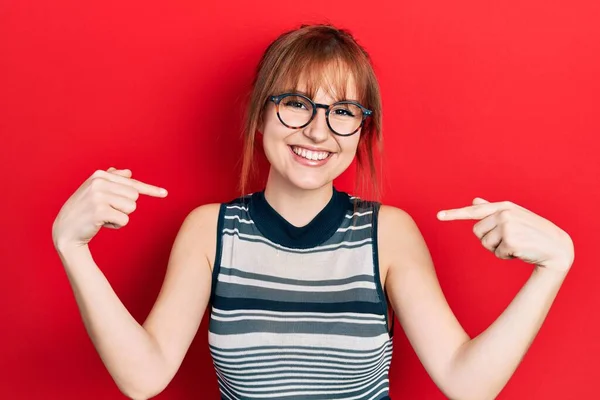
[(198, 232), (206, 216), (399, 238), (393, 220), (203, 216)]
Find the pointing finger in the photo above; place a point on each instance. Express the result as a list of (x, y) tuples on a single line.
[(477, 211), (141, 187), (147, 189)]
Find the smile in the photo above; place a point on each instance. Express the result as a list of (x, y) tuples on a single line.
[(310, 157)]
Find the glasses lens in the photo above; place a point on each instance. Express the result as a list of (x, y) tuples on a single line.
[(345, 118), (295, 111)]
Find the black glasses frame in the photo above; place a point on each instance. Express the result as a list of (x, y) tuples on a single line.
[(315, 106)]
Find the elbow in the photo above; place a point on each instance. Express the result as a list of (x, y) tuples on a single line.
[(454, 393), (142, 389), (140, 393)]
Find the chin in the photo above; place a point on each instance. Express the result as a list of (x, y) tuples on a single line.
[(308, 182)]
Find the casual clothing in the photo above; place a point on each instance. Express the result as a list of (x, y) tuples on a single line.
[(299, 312)]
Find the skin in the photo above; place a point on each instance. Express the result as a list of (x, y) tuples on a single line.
[(142, 359)]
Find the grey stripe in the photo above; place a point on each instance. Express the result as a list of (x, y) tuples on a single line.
[(298, 282), (234, 291), (337, 328)]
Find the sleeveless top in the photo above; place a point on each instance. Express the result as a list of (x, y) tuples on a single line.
[(299, 312)]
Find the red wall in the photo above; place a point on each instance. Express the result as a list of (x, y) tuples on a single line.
[(491, 99)]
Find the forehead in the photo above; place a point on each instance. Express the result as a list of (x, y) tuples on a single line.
[(328, 92)]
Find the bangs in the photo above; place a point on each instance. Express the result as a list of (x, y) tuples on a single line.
[(333, 73)]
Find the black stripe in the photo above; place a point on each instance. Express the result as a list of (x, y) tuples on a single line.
[(230, 304)]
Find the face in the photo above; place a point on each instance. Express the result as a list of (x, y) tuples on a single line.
[(292, 152)]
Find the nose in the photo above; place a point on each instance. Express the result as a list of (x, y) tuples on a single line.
[(317, 130)]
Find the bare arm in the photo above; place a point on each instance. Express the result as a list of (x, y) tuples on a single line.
[(482, 366), (463, 368), (143, 359)]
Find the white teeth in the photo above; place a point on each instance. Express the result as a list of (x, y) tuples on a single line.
[(310, 155)]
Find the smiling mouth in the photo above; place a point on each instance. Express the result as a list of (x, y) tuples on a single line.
[(310, 155)]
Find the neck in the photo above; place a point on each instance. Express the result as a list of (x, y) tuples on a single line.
[(298, 206)]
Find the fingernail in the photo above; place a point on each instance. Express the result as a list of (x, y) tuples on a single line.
[(163, 192), (441, 214)]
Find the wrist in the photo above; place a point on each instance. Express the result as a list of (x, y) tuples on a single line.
[(70, 251), (550, 274)]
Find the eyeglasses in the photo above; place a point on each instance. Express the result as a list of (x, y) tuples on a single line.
[(296, 111)]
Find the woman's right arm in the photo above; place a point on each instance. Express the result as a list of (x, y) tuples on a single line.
[(142, 359)]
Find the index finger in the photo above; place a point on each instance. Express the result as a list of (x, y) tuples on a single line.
[(477, 211), (141, 187), (147, 189)]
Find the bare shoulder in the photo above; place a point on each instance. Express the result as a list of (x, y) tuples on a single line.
[(396, 226), (400, 241), (393, 219), (199, 230)]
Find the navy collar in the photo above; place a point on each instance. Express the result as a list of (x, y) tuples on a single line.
[(277, 229)]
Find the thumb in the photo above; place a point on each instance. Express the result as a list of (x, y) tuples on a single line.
[(479, 200)]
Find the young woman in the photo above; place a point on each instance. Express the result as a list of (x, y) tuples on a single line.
[(298, 276)]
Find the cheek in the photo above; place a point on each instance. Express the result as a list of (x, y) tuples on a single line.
[(349, 145)]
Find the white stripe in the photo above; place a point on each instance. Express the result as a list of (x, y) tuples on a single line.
[(226, 386), (369, 354), (372, 398), (283, 319), (307, 369), (237, 207), (259, 258), (274, 387), (296, 288), (262, 239), (359, 214), (244, 221), (297, 339), (281, 394), (276, 355), (315, 362), (354, 228), (299, 313), (304, 377)]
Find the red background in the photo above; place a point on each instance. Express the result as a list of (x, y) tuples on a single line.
[(491, 99)]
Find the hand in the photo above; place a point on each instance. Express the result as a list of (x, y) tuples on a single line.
[(105, 199), (511, 231)]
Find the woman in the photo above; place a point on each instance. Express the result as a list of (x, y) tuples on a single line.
[(299, 275)]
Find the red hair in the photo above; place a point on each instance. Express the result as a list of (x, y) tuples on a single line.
[(310, 51)]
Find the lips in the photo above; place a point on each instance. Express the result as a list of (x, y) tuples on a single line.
[(310, 157), (310, 154)]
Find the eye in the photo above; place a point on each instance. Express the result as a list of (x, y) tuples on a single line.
[(343, 112), (294, 104)]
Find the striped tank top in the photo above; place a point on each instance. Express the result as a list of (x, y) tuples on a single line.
[(299, 312)]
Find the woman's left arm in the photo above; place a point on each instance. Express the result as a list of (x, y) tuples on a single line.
[(477, 368)]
